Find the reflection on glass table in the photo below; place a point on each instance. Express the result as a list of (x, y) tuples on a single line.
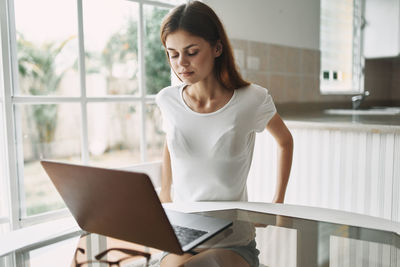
[(288, 241), (281, 241)]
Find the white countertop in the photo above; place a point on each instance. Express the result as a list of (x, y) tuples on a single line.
[(309, 116), (343, 126)]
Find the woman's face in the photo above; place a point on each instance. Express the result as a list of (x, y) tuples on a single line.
[(191, 57)]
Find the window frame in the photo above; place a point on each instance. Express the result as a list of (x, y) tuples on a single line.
[(3, 219), (10, 73)]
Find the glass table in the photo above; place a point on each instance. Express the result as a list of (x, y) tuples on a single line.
[(282, 241)]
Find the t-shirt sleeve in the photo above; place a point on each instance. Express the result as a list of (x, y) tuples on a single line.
[(264, 111)]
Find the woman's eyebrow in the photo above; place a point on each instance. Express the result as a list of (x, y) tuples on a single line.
[(187, 47)]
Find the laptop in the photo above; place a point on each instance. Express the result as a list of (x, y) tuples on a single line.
[(124, 205)]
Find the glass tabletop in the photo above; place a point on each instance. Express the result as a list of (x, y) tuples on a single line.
[(279, 241), (289, 241)]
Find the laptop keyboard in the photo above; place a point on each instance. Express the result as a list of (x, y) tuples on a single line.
[(187, 235)]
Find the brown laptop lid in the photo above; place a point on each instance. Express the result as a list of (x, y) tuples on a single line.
[(114, 203)]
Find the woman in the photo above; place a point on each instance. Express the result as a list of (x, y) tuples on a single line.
[(210, 122)]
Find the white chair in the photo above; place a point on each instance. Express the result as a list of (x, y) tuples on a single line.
[(152, 169)]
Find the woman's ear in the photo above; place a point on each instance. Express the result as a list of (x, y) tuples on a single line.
[(218, 49)]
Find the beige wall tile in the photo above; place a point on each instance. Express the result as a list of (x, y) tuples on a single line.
[(277, 87), (277, 58), (240, 45), (308, 88), (260, 51), (317, 94), (292, 88), (260, 78), (280, 64), (317, 62), (293, 57), (308, 62)]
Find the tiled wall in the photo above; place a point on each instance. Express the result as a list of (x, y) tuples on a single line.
[(378, 78), (395, 92), (292, 74)]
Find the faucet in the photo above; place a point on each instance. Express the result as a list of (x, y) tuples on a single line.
[(358, 99)]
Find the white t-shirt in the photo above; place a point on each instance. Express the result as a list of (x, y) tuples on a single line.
[(211, 153)]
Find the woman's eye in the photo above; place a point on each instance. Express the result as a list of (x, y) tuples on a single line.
[(193, 53), (173, 56)]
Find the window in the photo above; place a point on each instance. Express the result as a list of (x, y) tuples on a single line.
[(83, 76), (340, 43)]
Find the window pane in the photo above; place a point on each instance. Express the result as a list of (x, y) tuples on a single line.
[(155, 135), (47, 47), (111, 47), (158, 73), (114, 134), (50, 131)]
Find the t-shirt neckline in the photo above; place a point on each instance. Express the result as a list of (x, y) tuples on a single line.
[(208, 113)]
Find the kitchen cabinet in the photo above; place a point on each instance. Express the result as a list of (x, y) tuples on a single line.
[(381, 32)]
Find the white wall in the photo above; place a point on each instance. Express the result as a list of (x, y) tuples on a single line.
[(286, 22)]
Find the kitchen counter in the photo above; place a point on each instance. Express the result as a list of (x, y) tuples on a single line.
[(314, 116)]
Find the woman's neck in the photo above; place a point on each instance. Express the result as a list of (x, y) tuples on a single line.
[(206, 96), (206, 90)]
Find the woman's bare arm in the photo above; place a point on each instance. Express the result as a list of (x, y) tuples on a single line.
[(284, 138), (166, 176)]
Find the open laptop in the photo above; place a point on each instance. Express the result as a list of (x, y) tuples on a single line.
[(124, 205)]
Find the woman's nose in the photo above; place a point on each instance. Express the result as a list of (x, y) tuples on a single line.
[(183, 61)]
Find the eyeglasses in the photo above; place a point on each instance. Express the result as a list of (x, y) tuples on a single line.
[(130, 252)]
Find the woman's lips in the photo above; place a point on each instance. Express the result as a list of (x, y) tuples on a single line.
[(187, 74)]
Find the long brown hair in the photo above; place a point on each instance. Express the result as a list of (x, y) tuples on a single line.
[(200, 20)]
